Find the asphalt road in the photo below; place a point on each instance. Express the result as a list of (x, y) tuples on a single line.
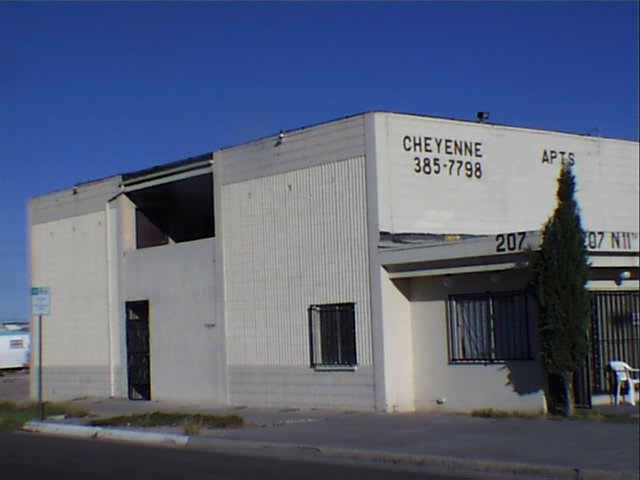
[(24, 455)]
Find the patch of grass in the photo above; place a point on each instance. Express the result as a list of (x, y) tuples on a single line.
[(489, 413), (492, 413), (66, 409), (605, 417), (13, 414), (591, 415), (191, 427), (156, 419)]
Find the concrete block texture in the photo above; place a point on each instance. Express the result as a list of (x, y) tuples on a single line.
[(301, 387), (291, 241), (60, 382), (70, 257)]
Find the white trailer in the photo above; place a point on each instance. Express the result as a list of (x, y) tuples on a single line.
[(15, 349)]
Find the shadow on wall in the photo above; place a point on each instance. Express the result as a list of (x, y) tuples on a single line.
[(525, 377)]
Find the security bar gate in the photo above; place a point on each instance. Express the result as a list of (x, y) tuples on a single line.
[(138, 360), (614, 334)]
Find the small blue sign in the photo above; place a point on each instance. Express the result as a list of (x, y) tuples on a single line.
[(40, 301)]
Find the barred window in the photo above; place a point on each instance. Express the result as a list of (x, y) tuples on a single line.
[(489, 327), (332, 334), (16, 343)]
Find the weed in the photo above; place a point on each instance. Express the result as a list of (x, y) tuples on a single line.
[(13, 414), (191, 427), (491, 413), (604, 417), (579, 415), (158, 418)]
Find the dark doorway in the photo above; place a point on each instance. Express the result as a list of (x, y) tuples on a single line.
[(138, 360)]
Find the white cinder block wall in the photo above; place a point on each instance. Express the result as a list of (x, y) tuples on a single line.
[(294, 230), (290, 241), (68, 254)]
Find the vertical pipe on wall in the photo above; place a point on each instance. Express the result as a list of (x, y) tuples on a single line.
[(109, 255), (40, 399)]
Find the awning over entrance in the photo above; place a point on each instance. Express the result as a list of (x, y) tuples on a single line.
[(613, 255)]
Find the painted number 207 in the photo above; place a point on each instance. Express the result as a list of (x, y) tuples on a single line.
[(510, 242)]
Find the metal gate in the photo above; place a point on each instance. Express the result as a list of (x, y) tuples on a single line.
[(614, 335), (138, 371)]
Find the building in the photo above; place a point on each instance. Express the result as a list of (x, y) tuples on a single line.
[(372, 262)]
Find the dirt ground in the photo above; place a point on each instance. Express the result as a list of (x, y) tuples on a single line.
[(14, 385)]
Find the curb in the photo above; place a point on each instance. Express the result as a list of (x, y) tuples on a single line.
[(81, 431), (434, 463)]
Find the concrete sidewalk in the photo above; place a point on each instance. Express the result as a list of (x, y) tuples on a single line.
[(461, 444)]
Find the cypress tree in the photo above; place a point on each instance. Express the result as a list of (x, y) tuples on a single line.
[(560, 275)]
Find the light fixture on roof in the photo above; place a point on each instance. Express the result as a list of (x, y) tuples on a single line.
[(622, 276), (280, 138), (482, 116)]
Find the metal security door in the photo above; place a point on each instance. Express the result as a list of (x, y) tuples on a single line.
[(138, 361)]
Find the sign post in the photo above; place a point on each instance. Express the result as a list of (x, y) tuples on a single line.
[(40, 305)]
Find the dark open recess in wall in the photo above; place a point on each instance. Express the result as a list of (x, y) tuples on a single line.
[(178, 211)]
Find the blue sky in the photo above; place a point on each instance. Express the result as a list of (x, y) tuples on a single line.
[(91, 90)]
